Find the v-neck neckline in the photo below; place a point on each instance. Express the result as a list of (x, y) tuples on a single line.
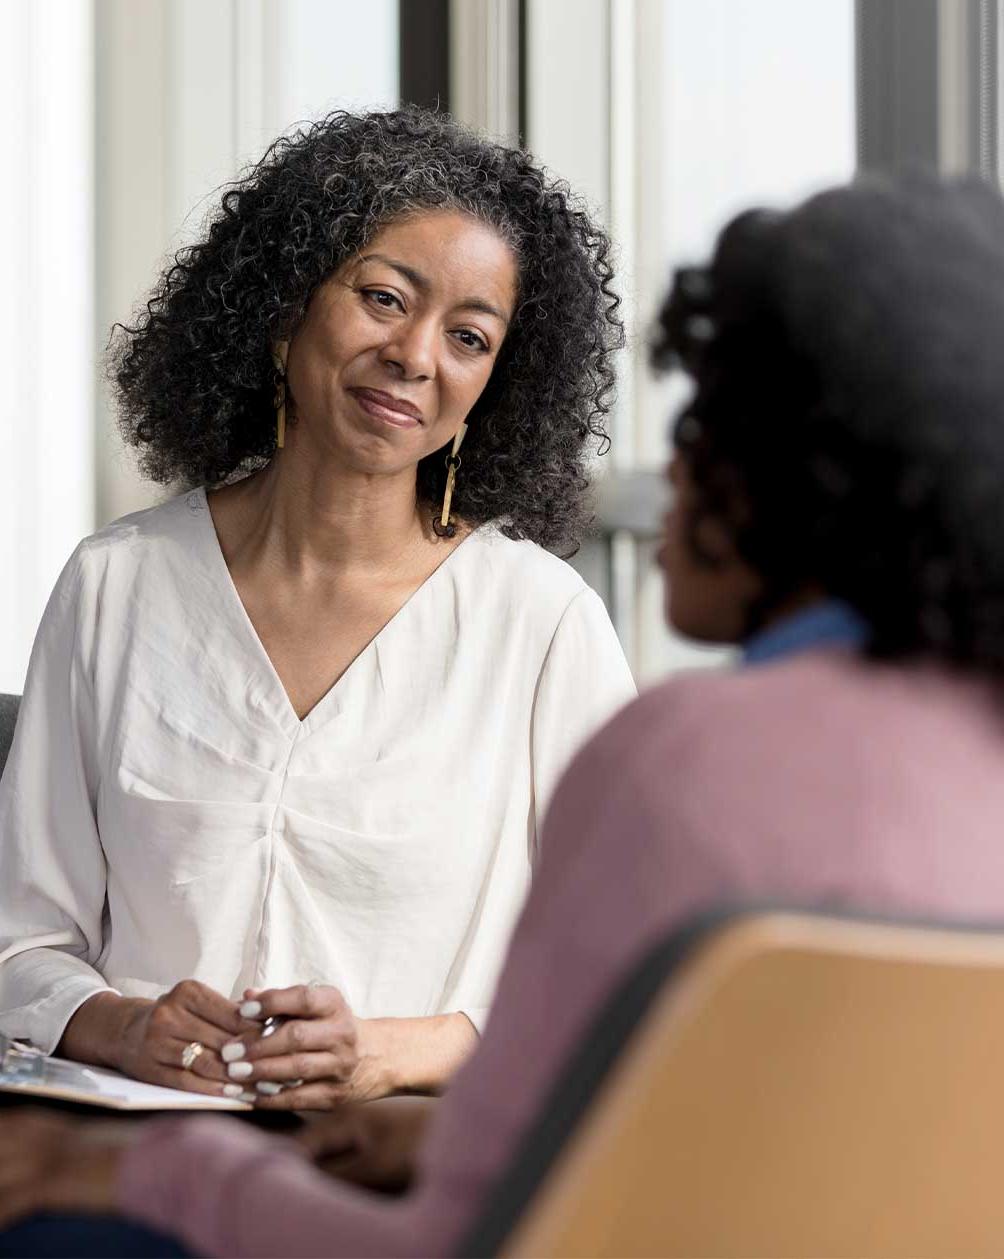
[(218, 561)]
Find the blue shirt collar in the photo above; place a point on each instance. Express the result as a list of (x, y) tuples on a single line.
[(826, 624)]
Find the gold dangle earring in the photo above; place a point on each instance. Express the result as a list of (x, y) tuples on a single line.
[(279, 356), (443, 524)]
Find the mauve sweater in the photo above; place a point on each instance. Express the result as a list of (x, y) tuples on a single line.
[(819, 779)]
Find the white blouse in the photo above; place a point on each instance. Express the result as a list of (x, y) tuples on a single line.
[(164, 813)]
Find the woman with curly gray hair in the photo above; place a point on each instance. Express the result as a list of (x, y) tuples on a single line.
[(286, 739)]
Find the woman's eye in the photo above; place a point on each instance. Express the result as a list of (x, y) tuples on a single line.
[(388, 301), (472, 340)]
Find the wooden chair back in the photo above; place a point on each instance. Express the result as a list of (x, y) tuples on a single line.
[(804, 1086)]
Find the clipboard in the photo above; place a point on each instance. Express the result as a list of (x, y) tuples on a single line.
[(30, 1073)]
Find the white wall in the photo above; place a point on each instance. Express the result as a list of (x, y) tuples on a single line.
[(46, 310)]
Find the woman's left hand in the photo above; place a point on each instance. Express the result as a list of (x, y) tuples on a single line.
[(51, 1162)]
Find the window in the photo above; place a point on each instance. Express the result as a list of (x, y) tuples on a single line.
[(668, 114), (46, 312), (704, 109)]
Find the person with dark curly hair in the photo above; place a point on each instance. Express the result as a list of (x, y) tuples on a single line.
[(287, 739), (838, 511)]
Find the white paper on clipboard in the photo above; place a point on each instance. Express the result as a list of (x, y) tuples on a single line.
[(94, 1086)]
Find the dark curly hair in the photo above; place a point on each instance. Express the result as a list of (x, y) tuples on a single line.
[(847, 424), (194, 373)]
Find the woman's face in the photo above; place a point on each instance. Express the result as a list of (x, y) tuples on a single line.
[(706, 601), (398, 344)]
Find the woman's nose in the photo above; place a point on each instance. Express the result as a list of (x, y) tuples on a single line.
[(412, 349)]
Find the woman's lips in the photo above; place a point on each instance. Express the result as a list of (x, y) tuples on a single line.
[(382, 408)]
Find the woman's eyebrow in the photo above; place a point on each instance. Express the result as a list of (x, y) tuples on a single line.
[(417, 280), (486, 308)]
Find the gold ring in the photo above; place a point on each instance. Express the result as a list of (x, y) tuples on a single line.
[(190, 1053)]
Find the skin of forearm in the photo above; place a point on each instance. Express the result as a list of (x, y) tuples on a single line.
[(99, 1030), (418, 1055)]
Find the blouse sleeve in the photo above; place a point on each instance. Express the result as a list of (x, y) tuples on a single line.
[(584, 681), (52, 868)]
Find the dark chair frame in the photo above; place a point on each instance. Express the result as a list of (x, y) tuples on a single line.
[(9, 706)]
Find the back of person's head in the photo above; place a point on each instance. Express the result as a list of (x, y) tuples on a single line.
[(847, 424)]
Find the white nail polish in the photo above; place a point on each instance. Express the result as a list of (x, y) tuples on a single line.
[(268, 1087), (233, 1050), (293, 1084), (250, 1010), (248, 1097), (239, 1070), (232, 1090)]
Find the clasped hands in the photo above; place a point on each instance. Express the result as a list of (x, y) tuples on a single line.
[(318, 1057)]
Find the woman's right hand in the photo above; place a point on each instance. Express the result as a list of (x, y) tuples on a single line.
[(146, 1039)]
